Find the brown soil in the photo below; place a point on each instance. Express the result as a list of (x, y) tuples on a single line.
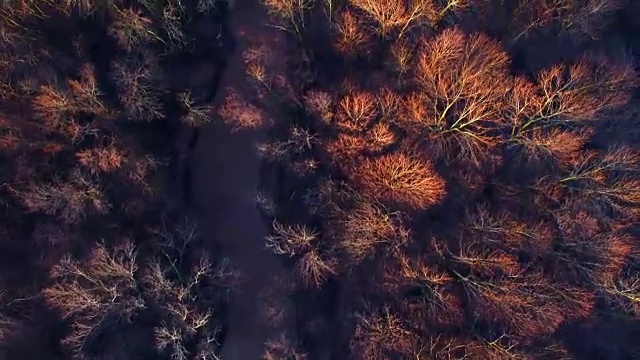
[(225, 168)]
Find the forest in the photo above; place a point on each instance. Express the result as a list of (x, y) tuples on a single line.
[(432, 179)]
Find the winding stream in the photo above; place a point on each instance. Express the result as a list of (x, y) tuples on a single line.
[(225, 175)]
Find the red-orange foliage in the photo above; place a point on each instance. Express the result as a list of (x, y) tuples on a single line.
[(460, 97), (530, 306), (100, 159), (399, 180), (353, 38), (377, 337), (356, 111), (398, 14), (389, 104), (264, 69), (52, 105), (358, 232), (402, 55), (55, 103), (130, 28), (102, 287), (320, 105), (239, 114), (608, 180), (430, 272), (347, 148), (581, 90), (52, 148), (86, 92), (69, 200), (561, 146)]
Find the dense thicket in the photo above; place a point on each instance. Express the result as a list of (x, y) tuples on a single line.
[(98, 259), (446, 179), (440, 198)]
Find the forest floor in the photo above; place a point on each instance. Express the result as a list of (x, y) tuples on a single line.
[(225, 176)]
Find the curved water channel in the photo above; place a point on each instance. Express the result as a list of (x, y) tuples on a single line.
[(225, 174)]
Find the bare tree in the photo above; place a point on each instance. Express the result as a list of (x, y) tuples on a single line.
[(359, 231), (291, 240), (347, 148), (282, 346), (402, 56), (569, 17), (10, 326), (398, 14), (352, 38), (140, 88), (105, 159), (131, 29), (609, 180), (622, 290), (173, 14), (590, 18), (69, 200), (587, 248), (112, 286), (529, 306), (503, 231), (86, 92), (240, 114), (288, 14), (430, 286), (379, 335), (195, 114), (569, 94), (186, 286), (53, 105), (400, 180), (96, 293), (463, 81), (320, 105), (314, 270), (552, 146), (356, 111)]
